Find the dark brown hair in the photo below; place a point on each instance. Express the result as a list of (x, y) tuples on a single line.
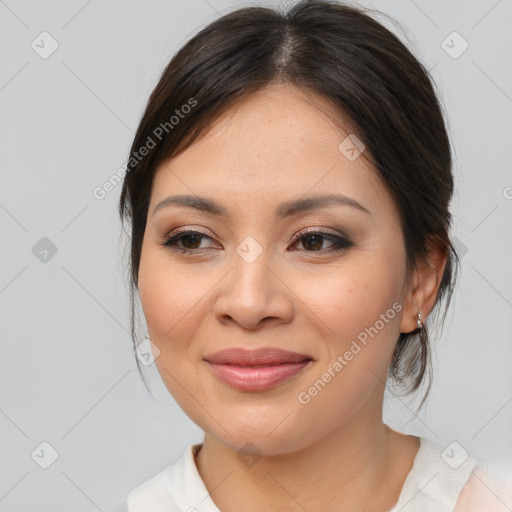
[(344, 55)]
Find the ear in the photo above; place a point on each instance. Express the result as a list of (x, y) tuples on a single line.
[(424, 285)]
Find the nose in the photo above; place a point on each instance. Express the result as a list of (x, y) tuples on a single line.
[(253, 293)]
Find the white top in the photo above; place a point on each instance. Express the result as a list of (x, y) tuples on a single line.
[(440, 480)]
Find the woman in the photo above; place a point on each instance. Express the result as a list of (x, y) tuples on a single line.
[(288, 191)]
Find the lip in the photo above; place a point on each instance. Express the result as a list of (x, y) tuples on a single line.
[(257, 369)]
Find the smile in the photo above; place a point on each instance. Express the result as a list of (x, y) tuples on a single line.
[(256, 370)]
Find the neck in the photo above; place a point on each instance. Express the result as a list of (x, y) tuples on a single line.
[(361, 466)]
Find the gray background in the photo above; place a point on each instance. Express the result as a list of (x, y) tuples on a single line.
[(68, 374)]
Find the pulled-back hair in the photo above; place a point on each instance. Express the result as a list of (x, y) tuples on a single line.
[(373, 82)]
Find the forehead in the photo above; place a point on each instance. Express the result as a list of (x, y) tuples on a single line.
[(280, 141), (278, 121)]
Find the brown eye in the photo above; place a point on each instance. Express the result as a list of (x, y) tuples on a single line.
[(313, 241), (190, 241)]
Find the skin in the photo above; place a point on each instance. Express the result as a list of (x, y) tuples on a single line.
[(334, 453)]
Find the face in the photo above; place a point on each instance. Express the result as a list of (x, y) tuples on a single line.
[(323, 280)]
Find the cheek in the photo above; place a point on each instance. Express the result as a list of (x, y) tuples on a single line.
[(169, 299), (352, 297), (171, 302), (357, 311)]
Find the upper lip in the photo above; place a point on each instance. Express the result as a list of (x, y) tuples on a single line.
[(260, 356)]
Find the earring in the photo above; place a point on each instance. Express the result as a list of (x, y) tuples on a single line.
[(419, 322)]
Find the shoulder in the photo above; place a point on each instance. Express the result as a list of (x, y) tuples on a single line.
[(177, 488), (121, 507), (155, 491), (438, 475), (445, 478), (488, 488)]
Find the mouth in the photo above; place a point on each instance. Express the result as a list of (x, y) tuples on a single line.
[(256, 370), (256, 357)]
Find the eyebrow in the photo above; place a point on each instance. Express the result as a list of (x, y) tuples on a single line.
[(285, 209)]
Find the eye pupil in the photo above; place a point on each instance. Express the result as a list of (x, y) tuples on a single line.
[(317, 238), (195, 238)]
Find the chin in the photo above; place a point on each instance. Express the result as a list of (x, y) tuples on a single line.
[(277, 434)]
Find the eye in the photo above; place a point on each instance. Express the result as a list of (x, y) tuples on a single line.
[(190, 241), (312, 240)]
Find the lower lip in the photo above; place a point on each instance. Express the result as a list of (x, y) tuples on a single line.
[(256, 379)]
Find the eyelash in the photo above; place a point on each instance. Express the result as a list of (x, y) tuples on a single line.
[(341, 243)]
